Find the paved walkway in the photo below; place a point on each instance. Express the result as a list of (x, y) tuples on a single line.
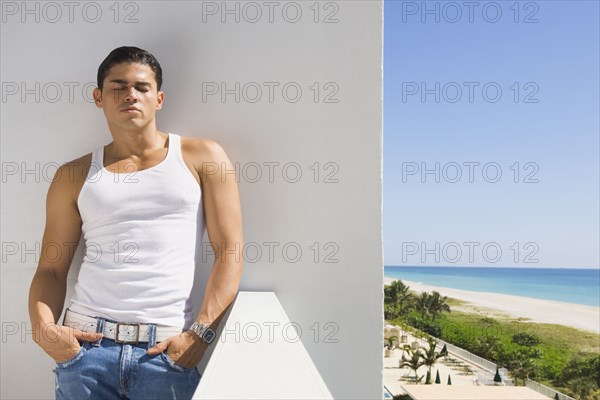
[(394, 377)]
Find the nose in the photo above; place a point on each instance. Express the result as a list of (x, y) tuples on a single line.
[(131, 94)]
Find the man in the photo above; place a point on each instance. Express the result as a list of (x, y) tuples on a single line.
[(142, 203)]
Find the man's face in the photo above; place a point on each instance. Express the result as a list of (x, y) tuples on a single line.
[(129, 96)]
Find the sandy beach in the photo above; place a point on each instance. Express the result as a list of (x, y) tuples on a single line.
[(493, 304)]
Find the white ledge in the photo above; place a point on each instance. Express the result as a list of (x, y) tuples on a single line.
[(258, 355)]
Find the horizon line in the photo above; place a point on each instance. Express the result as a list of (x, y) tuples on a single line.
[(478, 266)]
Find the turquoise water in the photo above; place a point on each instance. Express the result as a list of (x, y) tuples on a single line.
[(580, 286)]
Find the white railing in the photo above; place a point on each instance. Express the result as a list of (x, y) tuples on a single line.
[(546, 391), (491, 366), (472, 358)]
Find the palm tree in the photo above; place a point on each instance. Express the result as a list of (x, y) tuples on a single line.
[(488, 347), (404, 298), (583, 387), (430, 356), (437, 304), (390, 345), (422, 304), (521, 366), (390, 298), (397, 298), (522, 363), (391, 292), (391, 340), (405, 348), (412, 361)]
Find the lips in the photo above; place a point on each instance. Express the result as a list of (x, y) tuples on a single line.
[(130, 109)]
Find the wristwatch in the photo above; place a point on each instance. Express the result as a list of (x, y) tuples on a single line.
[(204, 332)]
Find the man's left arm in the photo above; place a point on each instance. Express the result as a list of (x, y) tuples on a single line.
[(223, 219)]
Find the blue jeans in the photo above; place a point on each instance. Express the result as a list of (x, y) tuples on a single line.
[(108, 370)]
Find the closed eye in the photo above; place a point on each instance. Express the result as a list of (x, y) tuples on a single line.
[(137, 89)]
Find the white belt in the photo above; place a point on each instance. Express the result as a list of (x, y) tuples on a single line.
[(120, 332)]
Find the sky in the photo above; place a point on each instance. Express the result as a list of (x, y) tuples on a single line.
[(491, 133)]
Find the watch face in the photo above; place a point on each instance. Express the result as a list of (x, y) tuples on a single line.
[(208, 336)]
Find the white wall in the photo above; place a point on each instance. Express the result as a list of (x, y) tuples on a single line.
[(338, 305)]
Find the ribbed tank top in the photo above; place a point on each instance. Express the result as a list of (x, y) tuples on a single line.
[(143, 232)]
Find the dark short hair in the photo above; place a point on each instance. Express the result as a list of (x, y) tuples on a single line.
[(129, 54)]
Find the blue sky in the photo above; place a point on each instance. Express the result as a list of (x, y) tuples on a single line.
[(536, 122)]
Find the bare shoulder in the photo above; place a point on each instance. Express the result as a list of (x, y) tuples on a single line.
[(206, 156), (203, 148), (70, 176)]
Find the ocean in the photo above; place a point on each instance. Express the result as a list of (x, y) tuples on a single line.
[(579, 286)]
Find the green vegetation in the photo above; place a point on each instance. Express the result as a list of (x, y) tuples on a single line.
[(397, 300), (390, 342), (430, 357), (413, 360), (421, 356), (561, 357), (402, 397), (492, 339)]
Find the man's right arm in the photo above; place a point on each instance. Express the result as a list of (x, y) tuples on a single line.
[(49, 285)]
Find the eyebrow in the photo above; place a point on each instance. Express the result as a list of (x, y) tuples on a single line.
[(124, 82)]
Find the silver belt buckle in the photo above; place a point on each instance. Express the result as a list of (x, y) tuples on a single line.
[(137, 338)]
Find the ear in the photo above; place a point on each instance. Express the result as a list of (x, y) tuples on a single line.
[(97, 97), (159, 100)]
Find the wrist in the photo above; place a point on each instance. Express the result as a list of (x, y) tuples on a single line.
[(195, 338), (203, 331), (205, 319)]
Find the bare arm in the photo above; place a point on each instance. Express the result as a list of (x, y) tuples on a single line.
[(223, 217), (49, 285)]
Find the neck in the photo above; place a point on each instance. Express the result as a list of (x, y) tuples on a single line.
[(127, 142)]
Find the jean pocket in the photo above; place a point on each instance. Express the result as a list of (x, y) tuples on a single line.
[(75, 358), (174, 365)]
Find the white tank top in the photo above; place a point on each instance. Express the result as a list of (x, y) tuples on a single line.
[(143, 232)]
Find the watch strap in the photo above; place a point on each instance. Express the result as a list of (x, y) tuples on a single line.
[(201, 330)]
